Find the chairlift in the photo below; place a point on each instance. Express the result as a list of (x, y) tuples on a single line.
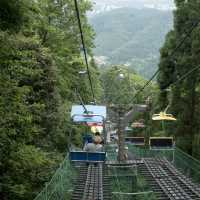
[(163, 116), (89, 115), (159, 143)]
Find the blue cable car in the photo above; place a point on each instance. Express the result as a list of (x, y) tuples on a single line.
[(88, 114)]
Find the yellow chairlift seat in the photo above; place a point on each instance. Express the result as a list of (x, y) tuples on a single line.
[(162, 116)]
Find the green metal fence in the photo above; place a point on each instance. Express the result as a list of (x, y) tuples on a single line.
[(187, 164), (61, 184), (181, 160)]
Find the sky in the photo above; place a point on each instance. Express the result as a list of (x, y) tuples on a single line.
[(136, 3), (100, 6)]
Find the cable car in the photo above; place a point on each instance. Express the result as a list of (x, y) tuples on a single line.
[(89, 115)]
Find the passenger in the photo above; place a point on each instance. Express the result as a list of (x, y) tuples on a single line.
[(97, 138), (90, 147), (98, 142), (87, 139), (99, 148)]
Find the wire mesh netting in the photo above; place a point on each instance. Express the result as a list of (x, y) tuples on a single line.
[(126, 184), (61, 185), (188, 165), (129, 188)]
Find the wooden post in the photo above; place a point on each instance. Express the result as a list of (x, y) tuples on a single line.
[(120, 133)]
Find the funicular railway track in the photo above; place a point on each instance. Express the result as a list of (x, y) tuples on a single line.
[(92, 184), (167, 182)]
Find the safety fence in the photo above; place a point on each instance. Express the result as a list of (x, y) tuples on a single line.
[(61, 184), (188, 165)]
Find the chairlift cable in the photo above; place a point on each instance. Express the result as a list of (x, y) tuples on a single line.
[(84, 47), (185, 76), (81, 101)]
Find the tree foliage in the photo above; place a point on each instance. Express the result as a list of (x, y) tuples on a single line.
[(122, 84), (40, 57), (185, 94)]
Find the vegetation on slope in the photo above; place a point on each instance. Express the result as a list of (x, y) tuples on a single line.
[(185, 94), (120, 85), (132, 36), (40, 60)]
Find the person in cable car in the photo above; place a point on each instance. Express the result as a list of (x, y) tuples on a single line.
[(97, 138), (89, 145), (98, 142)]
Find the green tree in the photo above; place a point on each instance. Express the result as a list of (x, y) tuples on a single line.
[(185, 94), (40, 60)]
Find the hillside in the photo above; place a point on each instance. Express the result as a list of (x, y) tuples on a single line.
[(132, 36)]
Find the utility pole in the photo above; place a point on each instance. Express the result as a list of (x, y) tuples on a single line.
[(120, 131)]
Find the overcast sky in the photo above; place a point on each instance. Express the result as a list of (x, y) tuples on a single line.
[(141, 2), (106, 5)]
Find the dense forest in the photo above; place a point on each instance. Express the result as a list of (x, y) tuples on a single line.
[(40, 58), (183, 95)]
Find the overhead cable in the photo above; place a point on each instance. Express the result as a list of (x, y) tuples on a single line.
[(81, 101), (84, 48), (185, 76)]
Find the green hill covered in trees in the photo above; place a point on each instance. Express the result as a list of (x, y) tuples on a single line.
[(180, 73), (132, 36), (40, 58)]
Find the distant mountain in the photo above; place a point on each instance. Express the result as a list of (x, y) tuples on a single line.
[(100, 6), (132, 37)]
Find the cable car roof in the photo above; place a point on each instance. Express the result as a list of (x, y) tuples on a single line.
[(94, 113)]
